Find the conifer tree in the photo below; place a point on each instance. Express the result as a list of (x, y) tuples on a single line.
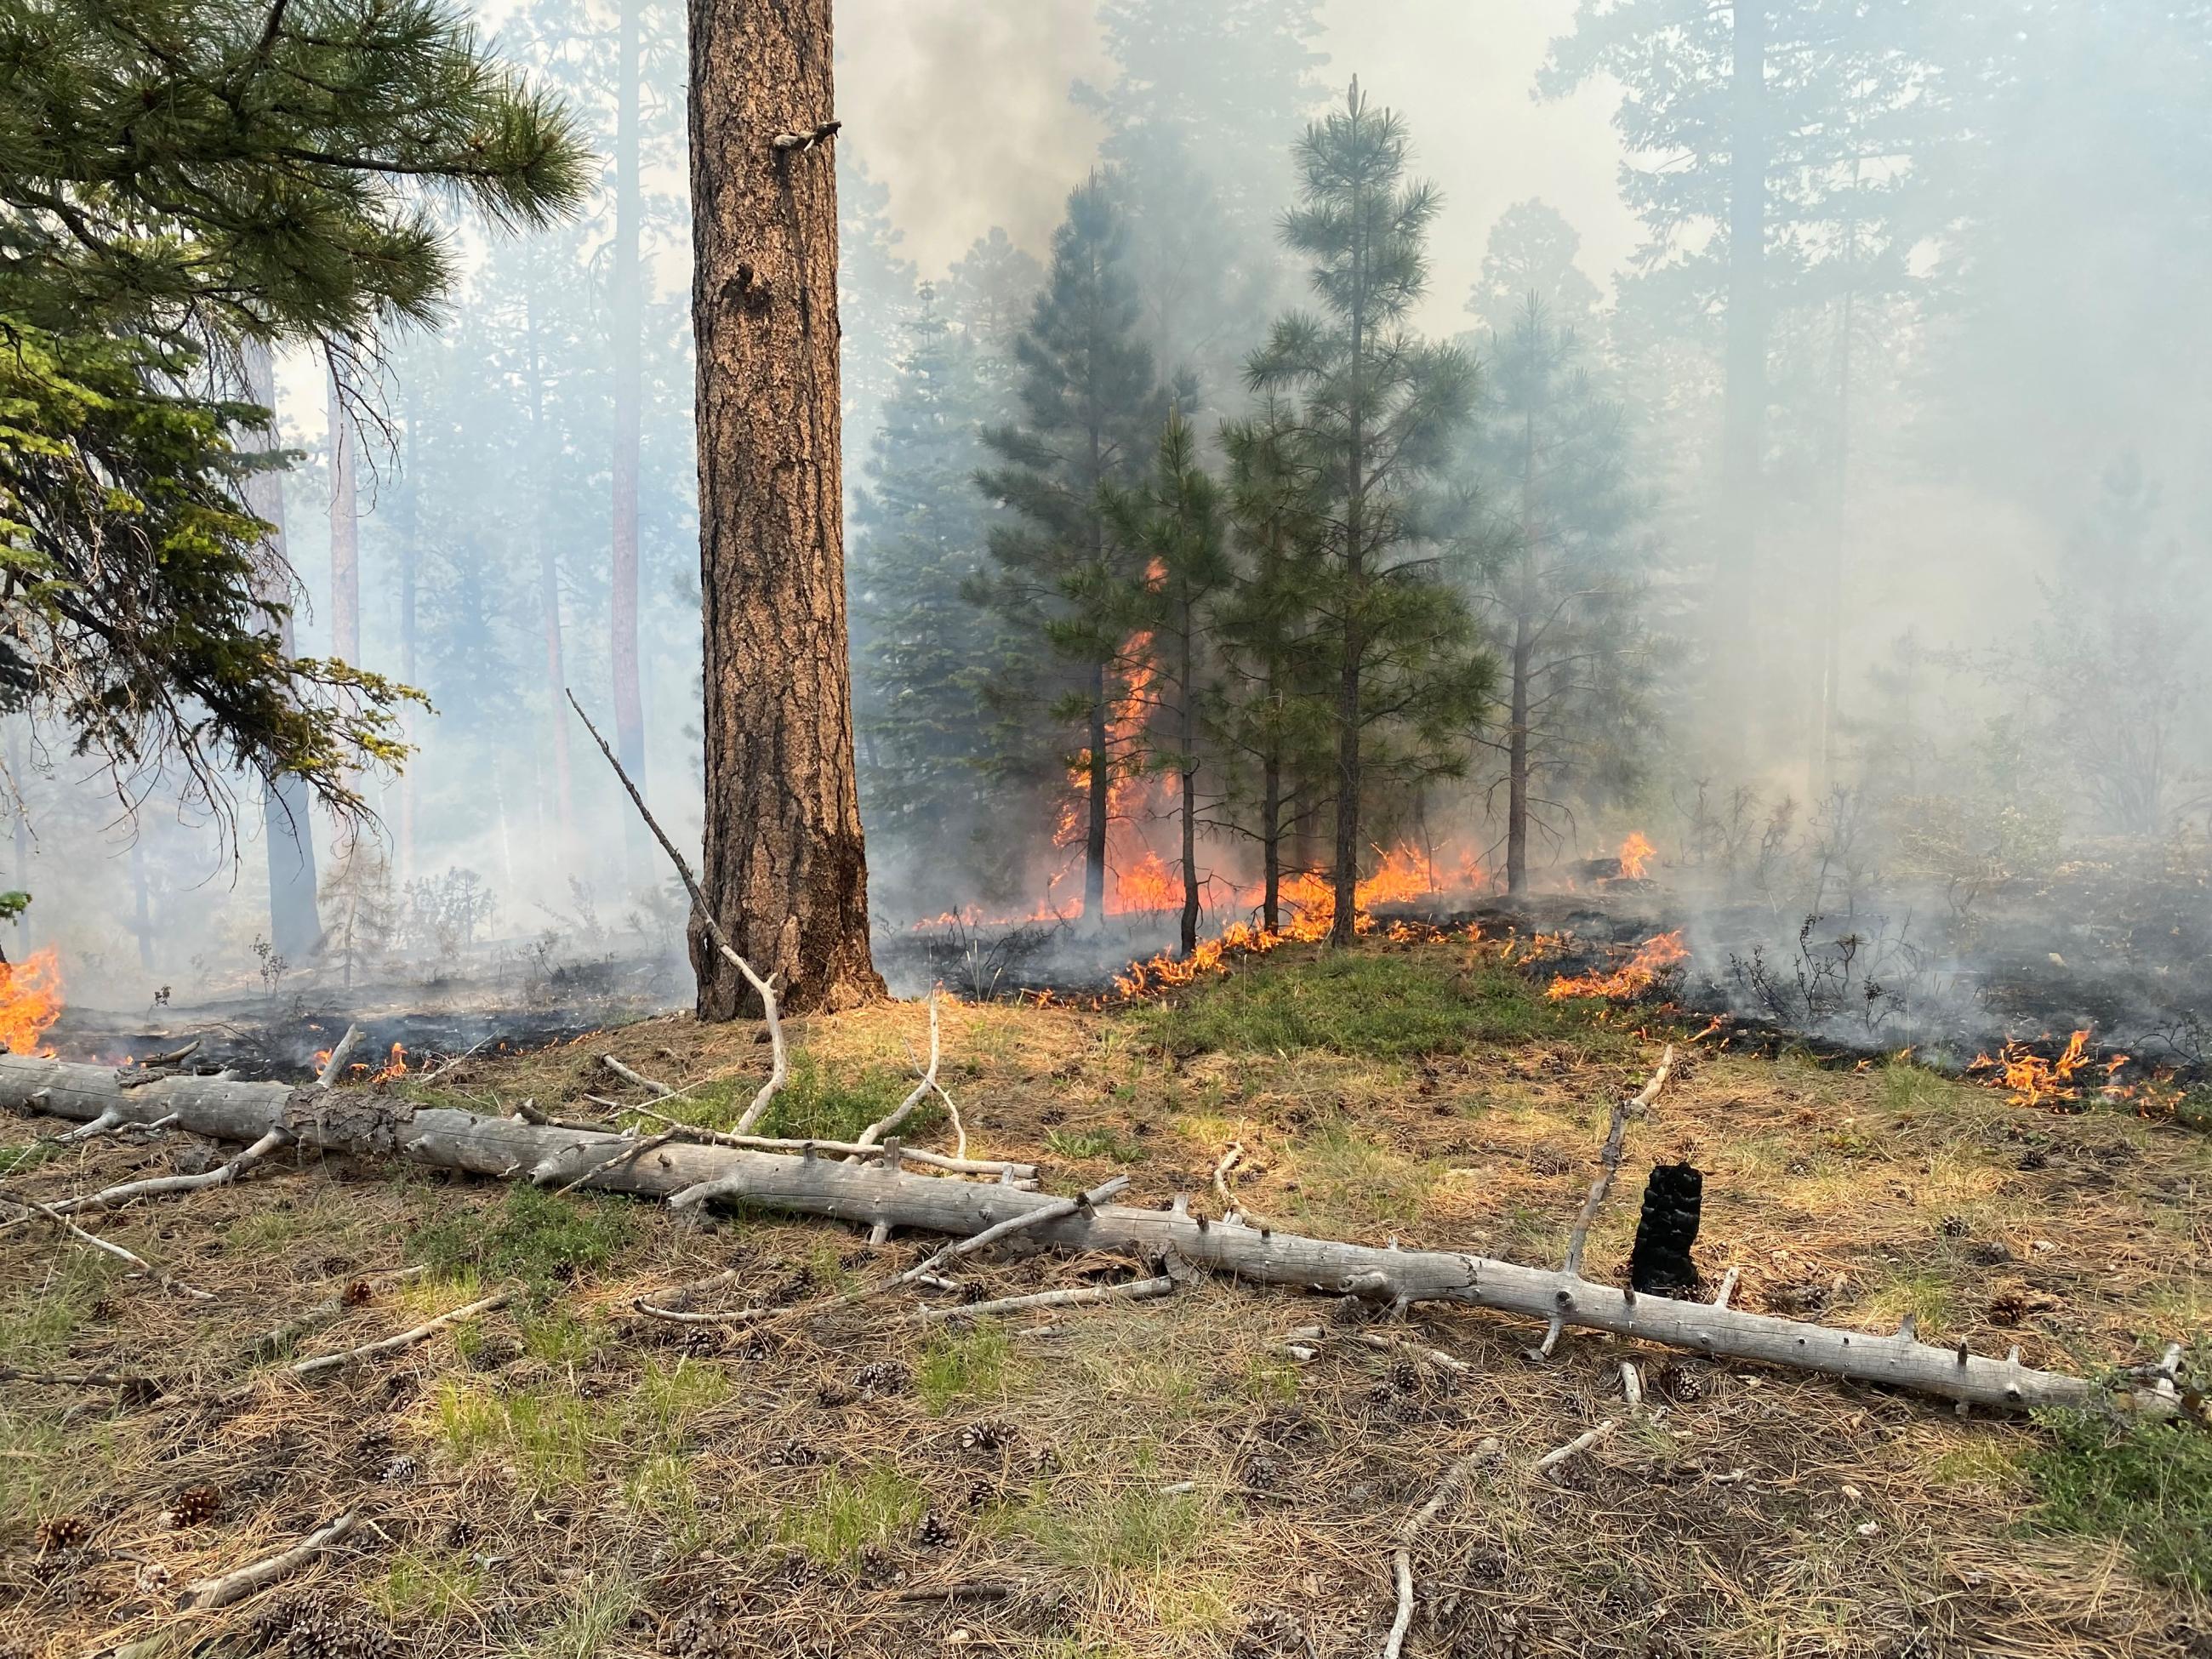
[(1383, 410), (1272, 713), (1090, 407), (175, 173), (1172, 525), (1556, 585), (922, 652)]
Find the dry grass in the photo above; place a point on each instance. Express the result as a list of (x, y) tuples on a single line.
[(564, 1479)]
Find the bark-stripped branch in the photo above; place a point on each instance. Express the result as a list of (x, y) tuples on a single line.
[(422, 1333), (873, 1135), (1616, 1142), (221, 1592), (780, 1071), (1401, 1557), (1083, 1296), (161, 1276)]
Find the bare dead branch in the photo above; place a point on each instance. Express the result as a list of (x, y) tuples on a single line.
[(221, 1591), (1401, 1557), (1082, 1297), (422, 1333)]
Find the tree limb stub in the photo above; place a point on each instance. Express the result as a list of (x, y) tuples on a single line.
[(864, 1194)]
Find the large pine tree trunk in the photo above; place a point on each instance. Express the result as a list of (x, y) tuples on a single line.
[(625, 318), (1188, 737), (786, 869), (345, 535), (410, 572), (295, 926), (1098, 802), (1516, 766)]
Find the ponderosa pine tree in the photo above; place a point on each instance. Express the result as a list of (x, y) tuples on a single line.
[(1383, 410), (1091, 409), (1272, 714), (1171, 525), (1556, 583), (178, 173), (786, 869)]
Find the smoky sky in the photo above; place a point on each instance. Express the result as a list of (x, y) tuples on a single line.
[(961, 109)]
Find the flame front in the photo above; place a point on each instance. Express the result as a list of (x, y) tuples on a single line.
[(1636, 855), (30, 1001), (1653, 958), (2029, 1079)]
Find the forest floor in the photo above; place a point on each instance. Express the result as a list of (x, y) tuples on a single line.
[(565, 1477)]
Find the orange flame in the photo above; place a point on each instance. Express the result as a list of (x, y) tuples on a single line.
[(2029, 1079), (30, 1001), (396, 1066), (1636, 855), (1653, 958)]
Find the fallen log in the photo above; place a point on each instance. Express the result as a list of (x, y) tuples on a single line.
[(866, 1194)]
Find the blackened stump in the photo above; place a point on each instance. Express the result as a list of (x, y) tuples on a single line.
[(1660, 1264)]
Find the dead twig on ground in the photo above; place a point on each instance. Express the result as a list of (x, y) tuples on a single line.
[(422, 1333), (236, 1586), (161, 1276), (873, 1135), (1582, 1442), (1082, 1297), (1401, 1557)]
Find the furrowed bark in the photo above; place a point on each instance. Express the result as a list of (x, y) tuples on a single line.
[(785, 872), (866, 1194)]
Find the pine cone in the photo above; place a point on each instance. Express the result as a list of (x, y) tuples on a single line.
[(195, 1506), (1404, 1376), (320, 1627), (2007, 1307), (987, 1434), (1956, 1226), (355, 1294), (1270, 1633), (882, 1377), (397, 1471), (1486, 1565), (791, 1454), (152, 1578), (981, 1494), (1263, 1473), (932, 1534), (1044, 1459), (103, 1308), (834, 1394), (61, 1531), (2035, 1158)]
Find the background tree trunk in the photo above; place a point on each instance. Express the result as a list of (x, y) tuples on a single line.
[(295, 925), (624, 309), (785, 867), (345, 535), (549, 596)]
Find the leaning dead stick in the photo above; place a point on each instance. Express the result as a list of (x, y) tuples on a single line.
[(1401, 1557), (779, 1058), (873, 1135), (1616, 1141)]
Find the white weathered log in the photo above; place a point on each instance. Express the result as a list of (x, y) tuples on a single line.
[(864, 1194), (1137, 1290), (229, 1587), (408, 1338), (1401, 1557)]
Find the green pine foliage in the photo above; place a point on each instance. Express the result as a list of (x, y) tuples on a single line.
[(922, 653), (1557, 582), (177, 176), (1381, 411), (1091, 409), (1172, 527)]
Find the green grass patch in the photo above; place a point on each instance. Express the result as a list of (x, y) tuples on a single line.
[(2148, 1484), (1078, 1145), (850, 1512), (532, 1235), (1345, 1180), (816, 1104), (545, 1437), (966, 1364), (599, 1608), (38, 1320), (20, 1160), (670, 1398), (1383, 1006), (1137, 1528), (427, 1585)]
